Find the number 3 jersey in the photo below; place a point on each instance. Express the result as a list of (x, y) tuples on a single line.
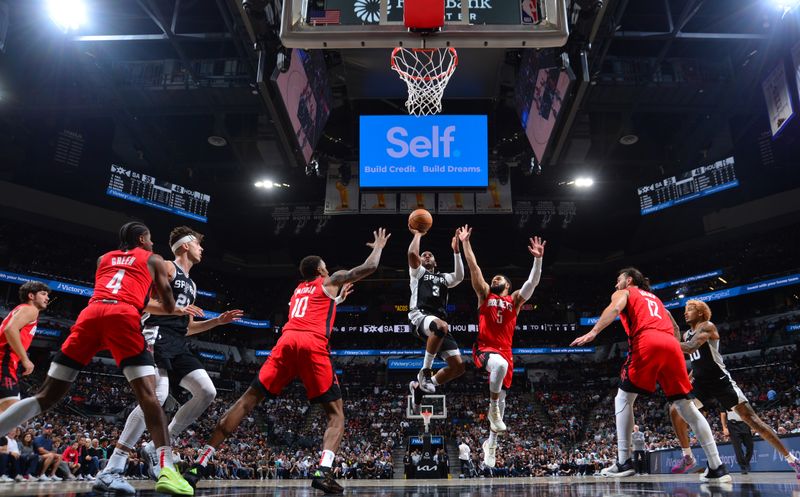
[(185, 292), (123, 276), (644, 312), (311, 309), (429, 291), (496, 321)]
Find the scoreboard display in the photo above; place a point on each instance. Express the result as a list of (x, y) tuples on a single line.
[(156, 193), (691, 185)]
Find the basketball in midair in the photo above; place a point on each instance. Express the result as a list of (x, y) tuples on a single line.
[(420, 220)]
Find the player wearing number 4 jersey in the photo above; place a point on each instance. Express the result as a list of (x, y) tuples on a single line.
[(112, 321), (174, 355), (497, 318), (302, 351), (654, 357)]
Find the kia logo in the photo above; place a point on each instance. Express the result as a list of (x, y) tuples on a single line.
[(420, 146)]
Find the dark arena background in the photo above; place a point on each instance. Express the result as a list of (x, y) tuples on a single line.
[(656, 134)]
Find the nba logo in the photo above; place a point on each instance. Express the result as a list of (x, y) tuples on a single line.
[(532, 11)]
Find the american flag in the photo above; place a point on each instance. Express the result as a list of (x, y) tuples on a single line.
[(322, 17)]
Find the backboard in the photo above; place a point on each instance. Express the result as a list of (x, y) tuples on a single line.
[(379, 24), (434, 403)]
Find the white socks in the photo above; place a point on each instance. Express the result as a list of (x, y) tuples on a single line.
[(687, 451), (492, 438), (623, 406), (18, 413), (501, 403), (327, 459), (428, 361), (117, 461), (199, 384), (205, 455), (702, 430), (164, 456)]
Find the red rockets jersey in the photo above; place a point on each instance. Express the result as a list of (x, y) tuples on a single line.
[(26, 333), (123, 275), (311, 309), (496, 321), (645, 311)]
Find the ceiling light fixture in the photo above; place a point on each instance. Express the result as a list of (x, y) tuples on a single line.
[(628, 139), (68, 15), (583, 182), (217, 141)]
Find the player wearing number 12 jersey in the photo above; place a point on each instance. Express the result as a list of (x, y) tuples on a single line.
[(497, 318), (654, 356), (111, 322), (302, 351)]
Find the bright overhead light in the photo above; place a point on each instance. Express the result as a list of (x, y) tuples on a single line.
[(680, 295), (786, 5), (258, 184), (68, 15), (584, 182), (268, 184)]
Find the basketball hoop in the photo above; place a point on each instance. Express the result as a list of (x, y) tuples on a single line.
[(426, 72), (426, 419)]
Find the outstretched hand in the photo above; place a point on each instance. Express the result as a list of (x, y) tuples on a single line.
[(454, 241), (416, 232), (346, 290), (464, 233), (536, 247), (229, 316), (190, 310), (381, 237), (583, 339)]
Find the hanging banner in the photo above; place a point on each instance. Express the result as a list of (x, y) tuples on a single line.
[(779, 103), (413, 201), (341, 192), (456, 203), (496, 200), (379, 203)]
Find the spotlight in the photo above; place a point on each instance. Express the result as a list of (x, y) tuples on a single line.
[(68, 15), (583, 182)]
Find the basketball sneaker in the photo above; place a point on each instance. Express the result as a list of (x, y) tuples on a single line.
[(416, 395), (170, 482), (323, 480), (425, 379), (489, 453), (686, 463), (796, 467), (495, 420), (618, 470), (719, 475), (192, 475), (151, 461), (112, 481)]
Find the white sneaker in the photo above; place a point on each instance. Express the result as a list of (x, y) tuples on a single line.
[(5, 479), (32, 478), (19, 479), (489, 453), (89, 478), (618, 470), (79, 478), (112, 481), (495, 420), (425, 379)]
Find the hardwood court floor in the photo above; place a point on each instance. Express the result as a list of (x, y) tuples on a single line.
[(752, 485)]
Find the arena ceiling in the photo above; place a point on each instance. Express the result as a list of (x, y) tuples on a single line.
[(682, 76)]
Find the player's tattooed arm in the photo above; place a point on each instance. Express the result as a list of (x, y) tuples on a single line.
[(705, 332), (161, 282), (369, 266), (475, 274)]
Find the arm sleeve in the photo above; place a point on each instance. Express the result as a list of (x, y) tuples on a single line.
[(339, 299), (533, 279), (457, 276), (416, 273)]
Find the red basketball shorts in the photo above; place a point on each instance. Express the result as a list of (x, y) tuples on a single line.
[(101, 326), (656, 357), (481, 355), (300, 355)]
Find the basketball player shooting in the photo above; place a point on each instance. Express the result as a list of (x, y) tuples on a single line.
[(655, 357), (427, 312), (302, 351), (497, 318)]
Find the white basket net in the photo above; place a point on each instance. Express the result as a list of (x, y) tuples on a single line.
[(426, 72)]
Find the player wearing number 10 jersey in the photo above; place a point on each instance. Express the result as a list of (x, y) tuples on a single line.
[(112, 321), (497, 318), (654, 357), (302, 351)]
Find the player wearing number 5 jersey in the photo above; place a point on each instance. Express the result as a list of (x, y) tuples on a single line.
[(111, 321), (302, 351), (497, 318), (654, 357)]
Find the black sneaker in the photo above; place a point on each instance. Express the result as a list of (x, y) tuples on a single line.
[(324, 481), (719, 475), (425, 379), (618, 470), (192, 475), (416, 395)]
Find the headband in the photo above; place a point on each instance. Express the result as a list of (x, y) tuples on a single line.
[(185, 239)]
